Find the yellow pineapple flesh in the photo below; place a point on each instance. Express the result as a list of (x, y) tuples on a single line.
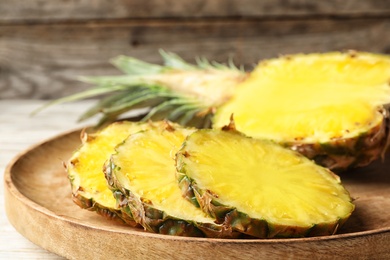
[(143, 171), (328, 100), (314, 98), (260, 188), (85, 169)]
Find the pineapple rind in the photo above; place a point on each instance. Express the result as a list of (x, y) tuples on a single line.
[(154, 220), (239, 221), (345, 153), (109, 213)]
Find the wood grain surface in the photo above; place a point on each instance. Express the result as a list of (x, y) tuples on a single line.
[(41, 10), (45, 45)]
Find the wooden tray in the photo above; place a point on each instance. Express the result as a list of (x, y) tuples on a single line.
[(39, 205)]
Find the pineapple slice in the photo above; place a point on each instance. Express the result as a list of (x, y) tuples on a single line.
[(331, 107), (142, 175), (260, 188), (85, 169)]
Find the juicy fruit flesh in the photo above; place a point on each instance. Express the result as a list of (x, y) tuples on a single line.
[(310, 97), (264, 181), (86, 167), (145, 165)]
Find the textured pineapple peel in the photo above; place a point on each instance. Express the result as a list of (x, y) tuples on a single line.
[(311, 98), (260, 188)]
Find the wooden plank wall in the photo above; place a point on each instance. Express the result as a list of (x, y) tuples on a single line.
[(46, 44)]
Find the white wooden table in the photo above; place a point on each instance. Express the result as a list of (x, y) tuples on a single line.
[(18, 131)]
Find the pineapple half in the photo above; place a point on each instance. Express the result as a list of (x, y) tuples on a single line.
[(85, 169), (331, 107), (142, 173), (260, 188)]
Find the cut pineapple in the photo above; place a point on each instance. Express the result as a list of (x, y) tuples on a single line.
[(259, 188), (85, 169), (143, 172), (331, 107)]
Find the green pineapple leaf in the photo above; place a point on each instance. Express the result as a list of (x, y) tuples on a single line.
[(172, 90)]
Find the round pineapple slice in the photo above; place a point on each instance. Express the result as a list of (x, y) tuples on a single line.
[(260, 188), (142, 173), (330, 107), (85, 169)]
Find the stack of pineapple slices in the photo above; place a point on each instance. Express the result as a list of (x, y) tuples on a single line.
[(210, 183)]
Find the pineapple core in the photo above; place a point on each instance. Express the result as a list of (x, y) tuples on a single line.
[(310, 98), (263, 180)]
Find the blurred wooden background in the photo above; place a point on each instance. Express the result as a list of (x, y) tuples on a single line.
[(46, 44)]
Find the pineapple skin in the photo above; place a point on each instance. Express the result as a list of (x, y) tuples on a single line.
[(241, 222), (346, 153), (108, 213), (157, 221)]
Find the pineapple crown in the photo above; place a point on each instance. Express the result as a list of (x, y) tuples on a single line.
[(150, 91)]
